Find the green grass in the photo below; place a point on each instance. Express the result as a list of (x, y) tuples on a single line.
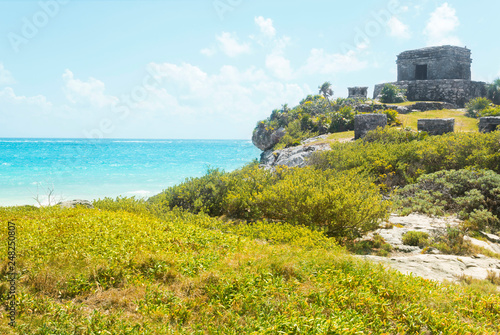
[(462, 122), (403, 104), (341, 135), (334, 137), (136, 270)]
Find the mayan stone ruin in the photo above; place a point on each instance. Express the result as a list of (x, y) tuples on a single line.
[(358, 92), (363, 123), (437, 74), (488, 124), (436, 126)]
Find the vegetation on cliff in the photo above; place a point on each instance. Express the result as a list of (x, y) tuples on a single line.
[(316, 115)]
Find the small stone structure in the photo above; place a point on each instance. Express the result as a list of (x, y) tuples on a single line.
[(488, 124), (437, 74), (444, 62), (436, 126), (358, 92), (75, 203), (363, 123)]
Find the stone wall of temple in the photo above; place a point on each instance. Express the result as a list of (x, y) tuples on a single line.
[(455, 91), (444, 62)]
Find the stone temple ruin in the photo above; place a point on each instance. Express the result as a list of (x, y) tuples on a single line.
[(358, 92), (437, 74)]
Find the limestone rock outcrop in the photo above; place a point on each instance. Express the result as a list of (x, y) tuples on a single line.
[(295, 156), (435, 266), (264, 138)]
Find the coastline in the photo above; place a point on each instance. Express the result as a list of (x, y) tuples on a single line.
[(74, 169)]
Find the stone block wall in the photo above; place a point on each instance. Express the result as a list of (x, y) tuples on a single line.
[(443, 62), (358, 92), (488, 124), (363, 123), (455, 91), (436, 126)]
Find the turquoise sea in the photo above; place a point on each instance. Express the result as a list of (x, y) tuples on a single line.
[(92, 169)]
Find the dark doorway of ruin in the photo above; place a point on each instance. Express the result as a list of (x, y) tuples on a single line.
[(421, 72)]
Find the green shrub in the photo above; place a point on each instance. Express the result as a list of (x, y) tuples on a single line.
[(204, 194), (493, 91), (490, 111), (449, 241), (481, 219), (283, 233), (342, 120), (392, 116), (248, 182), (392, 94), (131, 205), (464, 192), (416, 239), (296, 131), (344, 205), (376, 245), (396, 162), (452, 242), (475, 106), (341, 204), (388, 135)]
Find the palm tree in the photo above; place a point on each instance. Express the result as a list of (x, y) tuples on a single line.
[(326, 90), (494, 91)]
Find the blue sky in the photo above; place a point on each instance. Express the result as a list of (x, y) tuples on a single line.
[(209, 69)]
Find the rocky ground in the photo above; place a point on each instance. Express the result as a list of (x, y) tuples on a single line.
[(435, 265), (296, 156)]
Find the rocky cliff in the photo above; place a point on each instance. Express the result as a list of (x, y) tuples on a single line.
[(295, 156)]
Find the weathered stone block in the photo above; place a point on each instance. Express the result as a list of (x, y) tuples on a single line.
[(436, 126), (358, 92), (488, 124), (363, 123)]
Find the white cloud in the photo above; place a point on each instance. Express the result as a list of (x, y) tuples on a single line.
[(266, 26), (441, 26), (229, 44), (89, 92), (398, 28), (320, 61), (241, 96), (5, 76), (362, 46), (8, 97), (279, 66), (208, 51)]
